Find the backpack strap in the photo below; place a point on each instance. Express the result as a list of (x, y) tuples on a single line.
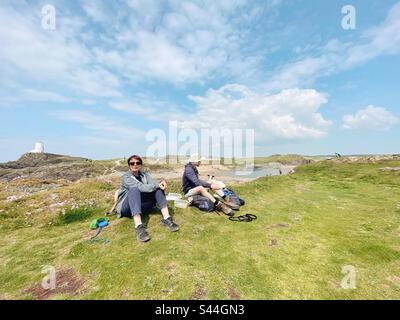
[(99, 229)]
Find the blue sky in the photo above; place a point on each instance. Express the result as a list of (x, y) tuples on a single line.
[(113, 70)]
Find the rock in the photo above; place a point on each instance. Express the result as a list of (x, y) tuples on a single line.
[(366, 158), (53, 196), (58, 204), (12, 198), (390, 169), (47, 166)]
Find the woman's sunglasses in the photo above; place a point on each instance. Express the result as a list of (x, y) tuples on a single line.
[(135, 163)]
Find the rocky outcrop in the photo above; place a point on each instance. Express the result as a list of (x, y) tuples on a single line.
[(48, 166), (390, 169), (366, 158)]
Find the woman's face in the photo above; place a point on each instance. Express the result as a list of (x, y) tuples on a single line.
[(135, 165)]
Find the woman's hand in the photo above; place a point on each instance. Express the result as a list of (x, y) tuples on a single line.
[(163, 185)]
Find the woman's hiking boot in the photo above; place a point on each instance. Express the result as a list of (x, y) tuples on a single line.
[(141, 233), (170, 224), (219, 206)]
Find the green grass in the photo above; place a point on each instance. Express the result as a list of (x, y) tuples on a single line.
[(71, 215), (310, 224), (284, 159)]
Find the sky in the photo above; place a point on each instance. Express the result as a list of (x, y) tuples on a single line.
[(106, 73)]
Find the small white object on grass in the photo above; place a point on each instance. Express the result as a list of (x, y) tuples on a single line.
[(173, 196), (181, 203)]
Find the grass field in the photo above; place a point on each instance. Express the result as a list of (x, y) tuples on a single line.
[(310, 225)]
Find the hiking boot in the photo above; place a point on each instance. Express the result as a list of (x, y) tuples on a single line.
[(170, 224), (219, 206), (231, 204), (141, 233)]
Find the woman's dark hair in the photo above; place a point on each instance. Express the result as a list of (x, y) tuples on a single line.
[(136, 157)]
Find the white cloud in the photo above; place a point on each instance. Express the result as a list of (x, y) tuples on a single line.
[(96, 10), (381, 40), (48, 53), (291, 114), (100, 141), (148, 107), (106, 137), (132, 107), (96, 81), (371, 118), (141, 41), (88, 102), (101, 125), (157, 57), (10, 97), (39, 96), (181, 42), (167, 41), (50, 57), (337, 56)]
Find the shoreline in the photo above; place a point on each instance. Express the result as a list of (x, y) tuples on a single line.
[(225, 173)]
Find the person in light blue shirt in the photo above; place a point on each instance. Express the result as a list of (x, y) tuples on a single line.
[(140, 193)]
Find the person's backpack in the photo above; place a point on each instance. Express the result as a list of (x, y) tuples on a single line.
[(203, 203), (98, 223), (233, 196)]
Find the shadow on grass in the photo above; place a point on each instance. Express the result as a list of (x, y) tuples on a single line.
[(71, 215)]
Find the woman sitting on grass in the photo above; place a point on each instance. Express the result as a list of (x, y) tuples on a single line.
[(140, 193)]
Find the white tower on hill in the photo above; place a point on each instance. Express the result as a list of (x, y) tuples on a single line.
[(39, 148)]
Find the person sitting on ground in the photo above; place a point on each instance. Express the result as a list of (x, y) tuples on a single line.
[(192, 185), (140, 193)]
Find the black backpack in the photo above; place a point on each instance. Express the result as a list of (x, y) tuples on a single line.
[(203, 203)]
